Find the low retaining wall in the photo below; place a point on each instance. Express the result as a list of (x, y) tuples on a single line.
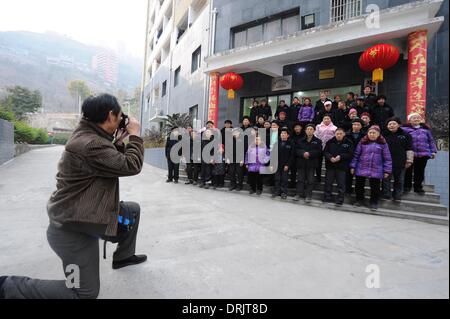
[(437, 174), (156, 157), (6, 141)]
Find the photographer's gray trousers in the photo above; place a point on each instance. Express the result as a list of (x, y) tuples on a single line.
[(73, 248)]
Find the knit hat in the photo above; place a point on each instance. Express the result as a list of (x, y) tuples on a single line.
[(376, 128), (352, 111), (366, 114), (413, 114)]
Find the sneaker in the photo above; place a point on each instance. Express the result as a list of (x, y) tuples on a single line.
[(373, 207), (176, 181), (283, 196), (169, 181), (133, 260)]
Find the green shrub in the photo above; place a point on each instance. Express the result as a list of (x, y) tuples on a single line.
[(7, 115), (23, 133), (42, 136), (60, 138)]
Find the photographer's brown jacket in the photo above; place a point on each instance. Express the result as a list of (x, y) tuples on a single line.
[(87, 189)]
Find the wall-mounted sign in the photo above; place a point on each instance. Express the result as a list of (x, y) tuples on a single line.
[(326, 74), (282, 83)]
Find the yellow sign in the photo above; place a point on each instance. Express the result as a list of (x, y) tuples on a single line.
[(326, 74)]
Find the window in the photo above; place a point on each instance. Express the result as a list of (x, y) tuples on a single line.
[(176, 80), (272, 29), (254, 34), (240, 39), (266, 29), (196, 59), (308, 21), (344, 9), (164, 89), (290, 25)]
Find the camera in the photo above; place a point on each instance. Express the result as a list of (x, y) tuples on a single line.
[(124, 122)]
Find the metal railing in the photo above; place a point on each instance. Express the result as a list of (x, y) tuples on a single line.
[(342, 10)]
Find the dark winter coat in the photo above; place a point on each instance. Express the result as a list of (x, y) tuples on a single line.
[(313, 147), (372, 159), (285, 153), (334, 148), (355, 139), (293, 113), (400, 146), (380, 114)]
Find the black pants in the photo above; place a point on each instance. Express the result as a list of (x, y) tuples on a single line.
[(349, 182), (236, 173), (281, 181), (319, 169), (193, 171), (74, 248), (374, 189), (256, 181), (174, 170), (306, 181), (206, 172), (418, 168), (293, 177), (399, 177), (331, 175), (218, 180)]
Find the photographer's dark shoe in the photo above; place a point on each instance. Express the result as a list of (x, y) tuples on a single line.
[(133, 260), (169, 181), (2, 281)]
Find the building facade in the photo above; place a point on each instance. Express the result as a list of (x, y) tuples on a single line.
[(288, 48), (176, 46), (106, 65)]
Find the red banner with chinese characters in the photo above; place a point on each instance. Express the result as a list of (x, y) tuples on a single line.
[(213, 109), (417, 73)]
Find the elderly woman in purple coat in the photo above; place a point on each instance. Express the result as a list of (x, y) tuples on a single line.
[(256, 158), (372, 160), (424, 148)]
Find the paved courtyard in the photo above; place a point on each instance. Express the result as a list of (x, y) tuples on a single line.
[(215, 244)]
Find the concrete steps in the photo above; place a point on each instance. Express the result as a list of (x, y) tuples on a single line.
[(426, 208)]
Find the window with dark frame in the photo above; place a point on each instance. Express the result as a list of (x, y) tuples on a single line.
[(196, 59), (176, 79), (266, 29)]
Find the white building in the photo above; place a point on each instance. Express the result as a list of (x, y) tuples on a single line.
[(177, 43)]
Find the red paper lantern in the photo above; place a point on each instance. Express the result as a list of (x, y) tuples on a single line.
[(231, 82), (378, 58)]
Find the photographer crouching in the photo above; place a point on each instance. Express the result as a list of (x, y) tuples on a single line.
[(85, 206)]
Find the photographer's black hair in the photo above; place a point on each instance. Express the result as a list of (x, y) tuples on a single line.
[(97, 108)]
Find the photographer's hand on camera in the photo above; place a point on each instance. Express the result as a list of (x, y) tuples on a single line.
[(134, 127)]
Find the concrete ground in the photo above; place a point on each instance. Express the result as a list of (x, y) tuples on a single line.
[(214, 244)]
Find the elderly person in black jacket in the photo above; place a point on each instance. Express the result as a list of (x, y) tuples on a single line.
[(338, 154), (400, 146), (285, 159), (308, 153), (381, 111)]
